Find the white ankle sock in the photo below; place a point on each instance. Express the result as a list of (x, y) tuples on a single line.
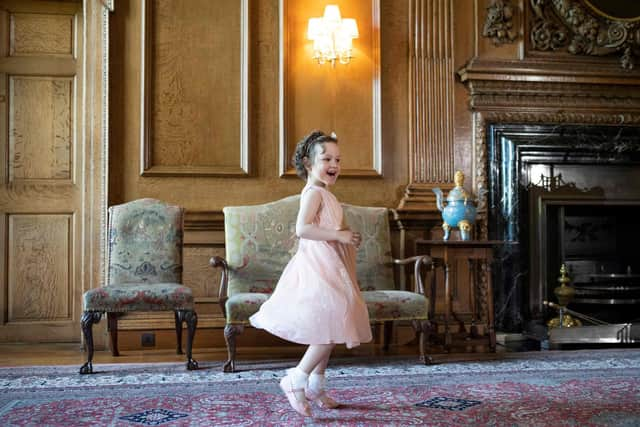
[(316, 382), (298, 377)]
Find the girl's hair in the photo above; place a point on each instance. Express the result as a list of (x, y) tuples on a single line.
[(306, 149)]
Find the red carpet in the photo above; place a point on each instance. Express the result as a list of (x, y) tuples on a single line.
[(584, 388)]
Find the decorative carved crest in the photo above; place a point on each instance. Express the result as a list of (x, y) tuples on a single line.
[(570, 23), (498, 23), (556, 184)]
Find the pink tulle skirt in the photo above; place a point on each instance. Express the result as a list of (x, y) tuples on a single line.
[(317, 300)]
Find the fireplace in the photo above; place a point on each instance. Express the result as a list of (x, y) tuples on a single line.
[(564, 194)]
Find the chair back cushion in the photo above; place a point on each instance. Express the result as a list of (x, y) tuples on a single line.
[(373, 260), (260, 240), (145, 243)]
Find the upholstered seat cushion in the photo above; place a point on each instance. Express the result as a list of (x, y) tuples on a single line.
[(396, 305), (382, 305), (243, 305), (127, 297)]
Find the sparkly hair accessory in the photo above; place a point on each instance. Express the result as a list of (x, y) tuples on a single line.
[(333, 135)]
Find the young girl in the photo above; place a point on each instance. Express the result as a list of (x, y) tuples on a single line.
[(317, 300)]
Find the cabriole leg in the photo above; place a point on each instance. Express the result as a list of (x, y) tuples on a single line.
[(191, 318), (87, 321), (230, 332), (179, 318)]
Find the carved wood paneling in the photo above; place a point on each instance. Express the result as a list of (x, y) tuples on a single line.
[(198, 274), (40, 128), (345, 99), (498, 23), (203, 279), (39, 267), (203, 239), (551, 95), (577, 28), (41, 34), (195, 87), (431, 100)]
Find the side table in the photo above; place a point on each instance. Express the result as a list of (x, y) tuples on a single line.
[(445, 254)]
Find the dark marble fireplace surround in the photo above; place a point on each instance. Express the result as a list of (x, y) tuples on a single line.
[(596, 172)]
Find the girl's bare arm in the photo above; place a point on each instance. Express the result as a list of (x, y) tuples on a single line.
[(309, 206)]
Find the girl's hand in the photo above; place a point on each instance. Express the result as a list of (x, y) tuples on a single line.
[(356, 239), (349, 237)]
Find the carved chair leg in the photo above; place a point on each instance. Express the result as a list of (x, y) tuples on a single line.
[(86, 322), (192, 322), (386, 337), (179, 318), (191, 318), (424, 329), (112, 325), (230, 332), (425, 338)]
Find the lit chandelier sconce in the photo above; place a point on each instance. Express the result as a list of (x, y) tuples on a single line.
[(332, 36)]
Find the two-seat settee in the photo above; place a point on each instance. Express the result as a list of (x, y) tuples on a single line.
[(261, 239)]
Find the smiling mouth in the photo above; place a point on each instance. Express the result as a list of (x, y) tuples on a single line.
[(332, 174)]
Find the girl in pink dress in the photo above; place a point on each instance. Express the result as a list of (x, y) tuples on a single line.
[(317, 300)]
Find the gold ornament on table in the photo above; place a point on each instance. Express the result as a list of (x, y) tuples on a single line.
[(564, 293)]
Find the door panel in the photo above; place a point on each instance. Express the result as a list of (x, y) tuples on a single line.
[(41, 196)]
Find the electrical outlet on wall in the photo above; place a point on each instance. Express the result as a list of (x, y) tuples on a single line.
[(148, 339)]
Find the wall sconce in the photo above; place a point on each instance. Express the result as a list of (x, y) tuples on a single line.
[(332, 36)]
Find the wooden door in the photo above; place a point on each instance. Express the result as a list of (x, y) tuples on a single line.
[(41, 170)]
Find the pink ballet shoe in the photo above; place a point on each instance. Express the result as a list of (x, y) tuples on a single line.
[(300, 406), (321, 399)]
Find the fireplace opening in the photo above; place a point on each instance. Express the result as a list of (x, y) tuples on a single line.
[(563, 194), (598, 245)]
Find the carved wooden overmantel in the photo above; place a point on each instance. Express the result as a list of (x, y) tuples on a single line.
[(585, 86), (586, 27)]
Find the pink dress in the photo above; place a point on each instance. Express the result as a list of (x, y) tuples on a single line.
[(317, 299)]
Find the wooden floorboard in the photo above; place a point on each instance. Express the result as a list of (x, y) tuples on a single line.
[(72, 354)]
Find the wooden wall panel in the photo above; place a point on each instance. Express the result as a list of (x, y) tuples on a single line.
[(195, 87), (40, 128), (341, 98), (204, 196), (431, 103), (41, 34), (264, 183), (204, 281), (39, 267)]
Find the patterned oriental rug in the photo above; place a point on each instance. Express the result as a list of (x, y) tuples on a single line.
[(556, 388)]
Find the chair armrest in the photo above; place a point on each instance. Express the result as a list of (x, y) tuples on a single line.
[(219, 262), (420, 264)]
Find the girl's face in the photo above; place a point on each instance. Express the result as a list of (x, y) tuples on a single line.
[(325, 168)]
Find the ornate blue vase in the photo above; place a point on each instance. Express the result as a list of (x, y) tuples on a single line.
[(460, 210)]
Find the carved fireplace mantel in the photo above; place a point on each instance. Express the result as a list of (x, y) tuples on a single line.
[(534, 92)]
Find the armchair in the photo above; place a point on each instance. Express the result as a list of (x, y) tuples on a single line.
[(144, 273), (260, 240)]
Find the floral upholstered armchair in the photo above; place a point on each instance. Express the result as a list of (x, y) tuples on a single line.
[(144, 273), (260, 240)]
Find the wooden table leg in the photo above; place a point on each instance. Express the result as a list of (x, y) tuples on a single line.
[(491, 330), (473, 330), (447, 308)]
